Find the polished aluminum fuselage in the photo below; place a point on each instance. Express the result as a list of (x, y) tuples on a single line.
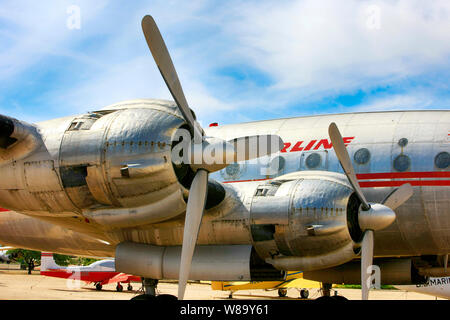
[(76, 182)]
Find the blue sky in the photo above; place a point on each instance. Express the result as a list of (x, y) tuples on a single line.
[(237, 60)]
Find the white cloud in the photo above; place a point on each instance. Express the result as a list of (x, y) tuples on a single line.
[(407, 101), (35, 29), (319, 46), (308, 49)]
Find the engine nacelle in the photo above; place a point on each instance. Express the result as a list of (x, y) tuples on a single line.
[(299, 221), (219, 263), (391, 272), (112, 166)]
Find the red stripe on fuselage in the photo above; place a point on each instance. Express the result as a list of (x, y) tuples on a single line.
[(3, 210), (392, 175), (397, 183), (404, 175)]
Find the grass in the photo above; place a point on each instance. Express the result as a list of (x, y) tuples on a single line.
[(357, 286)]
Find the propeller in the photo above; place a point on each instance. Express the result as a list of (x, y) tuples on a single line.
[(371, 216), (165, 65), (239, 149)]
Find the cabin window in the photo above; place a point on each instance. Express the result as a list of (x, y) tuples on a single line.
[(442, 160), (403, 142), (313, 160), (402, 163), (362, 156)]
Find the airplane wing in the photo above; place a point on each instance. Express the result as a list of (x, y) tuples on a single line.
[(18, 139), (122, 277), (300, 283), (435, 286), (294, 279)]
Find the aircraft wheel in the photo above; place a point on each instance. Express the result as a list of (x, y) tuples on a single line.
[(119, 287), (130, 287), (144, 297), (166, 298), (98, 286), (325, 299), (304, 293), (282, 292), (339, 298)]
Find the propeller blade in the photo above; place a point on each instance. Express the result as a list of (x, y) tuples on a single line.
[(194, 213), (346, 164), (366, 261), (165, 65), (399, 196)]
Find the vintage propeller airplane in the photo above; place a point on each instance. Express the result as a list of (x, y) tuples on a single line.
[(100, 272), (272, 199)]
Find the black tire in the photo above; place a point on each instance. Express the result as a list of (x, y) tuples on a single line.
[(325, 299), (282, 292), (304, 293), (166, 298), (339, 298), (130, 287), (144, 297), (119, 287), (98, 287)]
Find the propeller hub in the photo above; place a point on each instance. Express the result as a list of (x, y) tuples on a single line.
[(376, 218)]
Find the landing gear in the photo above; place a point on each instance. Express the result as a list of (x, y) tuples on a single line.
[(326, 296), (326, 289), (119, 287), (282, 292), (98, 286), (130, 287), (149, 286)]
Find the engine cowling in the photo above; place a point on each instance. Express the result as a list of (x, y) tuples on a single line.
[(302, 221), (111, 166)]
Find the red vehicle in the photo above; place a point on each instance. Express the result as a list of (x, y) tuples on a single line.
[(100, 272)]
